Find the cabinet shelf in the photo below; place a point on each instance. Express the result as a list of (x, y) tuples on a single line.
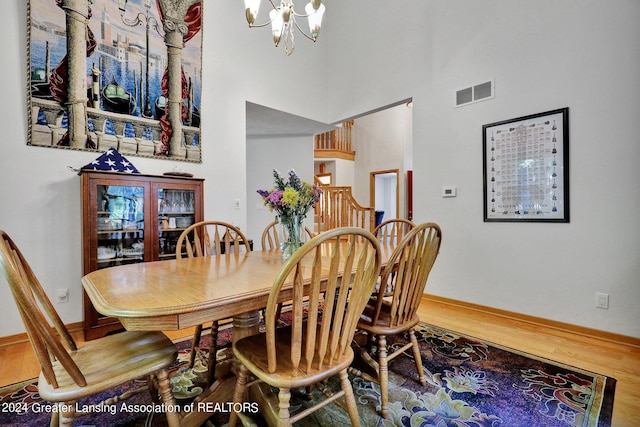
[(122, 258), (121, 230), (176, 213), (114, 202)]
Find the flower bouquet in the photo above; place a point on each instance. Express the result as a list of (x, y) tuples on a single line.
[(291, 199)]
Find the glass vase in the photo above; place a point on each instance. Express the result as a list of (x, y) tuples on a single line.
[(292, 237)]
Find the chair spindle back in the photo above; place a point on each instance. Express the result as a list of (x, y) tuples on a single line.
[(211, 238), (392, 231), (316, 270), (272, 238), (413, 259), (38, 315)]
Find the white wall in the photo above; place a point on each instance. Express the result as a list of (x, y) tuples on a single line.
[(544, 55), (40, 198), (263, 155), (342, 171), (382, 141)]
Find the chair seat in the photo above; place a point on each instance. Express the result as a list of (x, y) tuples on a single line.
[(383, 325), (252, 352), (110, 361)]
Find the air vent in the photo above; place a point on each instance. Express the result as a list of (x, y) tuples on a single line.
[(475, 93)]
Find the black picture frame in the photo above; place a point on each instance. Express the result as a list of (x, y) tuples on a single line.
[(526, 168)]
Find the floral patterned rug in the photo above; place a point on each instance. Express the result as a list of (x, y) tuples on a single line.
[(474, 383)]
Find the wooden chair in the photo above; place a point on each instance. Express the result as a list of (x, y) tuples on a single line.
[(272, 238), (394, 314), (70, 373), (390, 232), (208, 238), (312, 350), (393, 230)]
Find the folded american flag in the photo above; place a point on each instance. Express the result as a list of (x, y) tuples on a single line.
[(111, 160)]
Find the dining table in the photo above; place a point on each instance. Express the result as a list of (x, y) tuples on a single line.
[(175, 294)]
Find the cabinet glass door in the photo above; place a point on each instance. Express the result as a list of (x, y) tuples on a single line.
[(120, 225), (176, 212)]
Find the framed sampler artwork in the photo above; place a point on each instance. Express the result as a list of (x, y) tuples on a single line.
[(526, 168), (107, 74)]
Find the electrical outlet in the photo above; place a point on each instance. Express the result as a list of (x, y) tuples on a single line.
[(63, 295), (602, 300)]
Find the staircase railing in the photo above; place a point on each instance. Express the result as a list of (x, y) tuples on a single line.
[(338, 208)]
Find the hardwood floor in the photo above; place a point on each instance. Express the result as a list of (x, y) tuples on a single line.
[(620, 360)]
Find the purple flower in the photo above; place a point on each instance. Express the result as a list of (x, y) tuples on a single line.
[(275, 197)]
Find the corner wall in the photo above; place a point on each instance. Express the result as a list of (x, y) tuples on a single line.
[(543, 55)]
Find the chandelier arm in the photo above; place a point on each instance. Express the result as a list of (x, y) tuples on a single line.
[(301, 30), (301, 15), (260, 25)]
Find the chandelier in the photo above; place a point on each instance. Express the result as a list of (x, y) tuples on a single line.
[(283, 19)]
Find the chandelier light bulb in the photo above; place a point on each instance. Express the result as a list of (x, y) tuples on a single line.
[(315, 19), (251, 9), (277, 24)]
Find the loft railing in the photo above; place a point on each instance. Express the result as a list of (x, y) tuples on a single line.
[(335, 143)]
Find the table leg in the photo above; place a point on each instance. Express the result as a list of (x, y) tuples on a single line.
[(221, 390), (245, 325)]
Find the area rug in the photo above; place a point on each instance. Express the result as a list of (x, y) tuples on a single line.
[(474, 383)]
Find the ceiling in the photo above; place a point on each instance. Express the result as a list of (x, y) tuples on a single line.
[(266, 122)]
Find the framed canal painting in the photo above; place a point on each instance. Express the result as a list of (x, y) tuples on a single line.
[(122, 74), (526, 168)]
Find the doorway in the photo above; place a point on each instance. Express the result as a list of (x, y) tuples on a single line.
[(384, 191)]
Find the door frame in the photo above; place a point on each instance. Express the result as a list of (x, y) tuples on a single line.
[(372, 187)]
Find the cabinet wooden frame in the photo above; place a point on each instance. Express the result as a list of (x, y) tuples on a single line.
[(95, 325)]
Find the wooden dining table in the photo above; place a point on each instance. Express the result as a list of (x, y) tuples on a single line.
[(176, 294)]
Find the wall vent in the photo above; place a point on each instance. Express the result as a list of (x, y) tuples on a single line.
[(475, 93)]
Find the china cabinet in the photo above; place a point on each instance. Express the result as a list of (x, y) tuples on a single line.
[(129, 218)]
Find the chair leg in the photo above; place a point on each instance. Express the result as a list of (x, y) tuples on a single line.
[(238, 394), (166, 394), (194, 345), (383, 376), (350, 399), (284, 396), (55, 419), (152, 383), (67, 414), (213, 348), (416, 356)]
